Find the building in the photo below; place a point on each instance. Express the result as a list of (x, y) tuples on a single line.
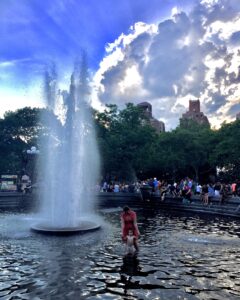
[(194, 114), (238, 116), (147, 108)]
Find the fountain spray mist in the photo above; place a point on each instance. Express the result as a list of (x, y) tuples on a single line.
[(70, 162)]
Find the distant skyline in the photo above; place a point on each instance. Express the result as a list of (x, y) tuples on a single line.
[(165, 52)]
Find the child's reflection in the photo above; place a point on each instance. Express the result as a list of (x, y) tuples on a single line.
[(129, 268)]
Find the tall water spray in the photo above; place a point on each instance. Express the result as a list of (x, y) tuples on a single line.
[(70, 162)]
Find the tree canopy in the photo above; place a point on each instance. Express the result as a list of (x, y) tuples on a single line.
[(19, 131), (130, 148), (124, 139)]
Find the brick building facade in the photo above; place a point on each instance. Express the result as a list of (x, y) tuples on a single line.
[(194, 114), (147, 108)]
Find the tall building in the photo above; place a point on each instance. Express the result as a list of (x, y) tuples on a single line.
[(194, 114), (147, 108), (238, 116)]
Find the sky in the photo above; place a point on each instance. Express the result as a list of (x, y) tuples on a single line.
[(165, 52)]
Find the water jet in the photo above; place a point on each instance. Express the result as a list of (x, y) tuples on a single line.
[(69, 161)]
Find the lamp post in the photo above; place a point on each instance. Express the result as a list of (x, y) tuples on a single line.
[(30, 166)]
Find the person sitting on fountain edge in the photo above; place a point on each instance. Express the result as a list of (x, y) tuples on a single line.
[(129, 222)]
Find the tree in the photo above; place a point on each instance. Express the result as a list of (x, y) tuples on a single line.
[(19, 131), (197, 148), (183, 152), (227, 149), (129, 146), (124, 139)]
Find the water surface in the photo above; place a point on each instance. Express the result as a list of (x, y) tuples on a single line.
[(181, 257)]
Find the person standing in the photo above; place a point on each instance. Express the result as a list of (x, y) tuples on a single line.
[(104, 188), (205, 194), (129, 222), (155, 185), (234, 189), (25, 182), (218, 189), (198, 189), (130, 242), (116, 188), (186, 193)]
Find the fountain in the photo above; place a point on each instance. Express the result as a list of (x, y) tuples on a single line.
[(70, 160)]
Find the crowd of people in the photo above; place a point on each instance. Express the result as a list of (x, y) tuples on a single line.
[(185, 188), (116, 187)]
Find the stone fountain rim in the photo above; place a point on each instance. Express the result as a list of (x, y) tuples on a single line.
[(84, 227)]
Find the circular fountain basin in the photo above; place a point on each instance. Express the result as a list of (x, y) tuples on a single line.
[(84, 226)]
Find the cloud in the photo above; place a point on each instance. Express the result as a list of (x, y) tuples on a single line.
[(190, 52), (235, 38), (187, 56), (217, 101), (234, 109), (19, 73)]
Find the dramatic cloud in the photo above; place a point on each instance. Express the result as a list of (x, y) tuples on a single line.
[(36, 33), (192, 55), (164, 51)]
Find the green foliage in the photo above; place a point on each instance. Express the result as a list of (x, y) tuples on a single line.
[(124, 138), (182, 152), (19, 131), (192, 124), (129, 146), (227, 149)]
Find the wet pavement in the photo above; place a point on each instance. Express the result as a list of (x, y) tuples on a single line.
[(181, 257)]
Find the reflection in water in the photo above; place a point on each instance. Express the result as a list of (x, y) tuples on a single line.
[(130, 265), (129, 268), (180, 257)]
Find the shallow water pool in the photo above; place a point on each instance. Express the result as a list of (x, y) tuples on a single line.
[(181, 257)]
